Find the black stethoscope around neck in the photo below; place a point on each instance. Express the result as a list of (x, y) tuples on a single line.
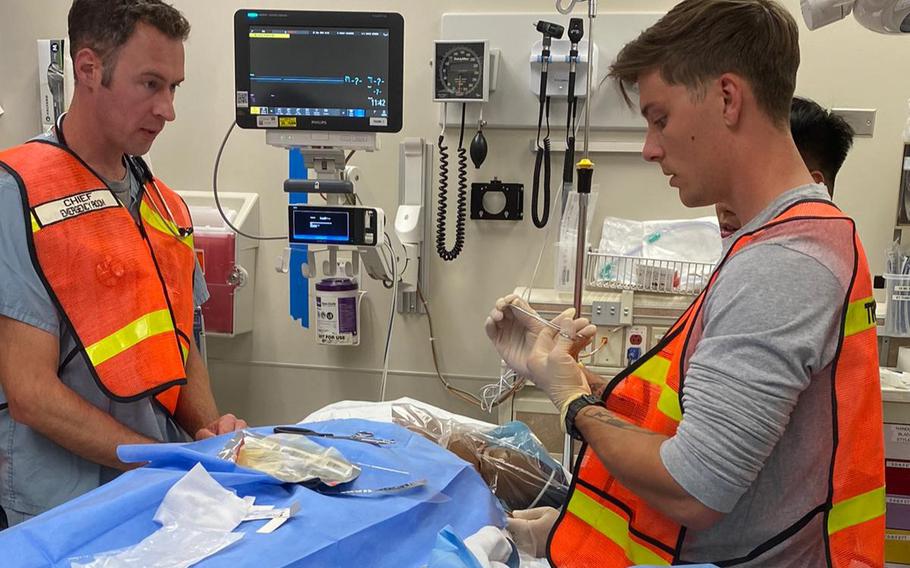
[(140, 169)]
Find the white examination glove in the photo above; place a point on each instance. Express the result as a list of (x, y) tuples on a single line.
[(514, 334), (558, 374), (530, 529)]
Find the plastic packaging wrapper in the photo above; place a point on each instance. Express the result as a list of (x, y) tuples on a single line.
[(169, 547), (693, 240), (567, 245), (289, 457), (197, 517), (681, 240), (514, 464)]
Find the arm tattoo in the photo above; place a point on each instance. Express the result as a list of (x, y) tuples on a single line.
[(596, 382), (604, 416)]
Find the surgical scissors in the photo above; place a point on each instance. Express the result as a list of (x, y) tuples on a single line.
[(545, 322), (365, 437)]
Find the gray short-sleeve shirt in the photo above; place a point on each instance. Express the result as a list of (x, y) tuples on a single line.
[(755, 439)]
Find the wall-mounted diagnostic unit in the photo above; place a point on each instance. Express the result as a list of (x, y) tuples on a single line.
[(302, 70), (342, 225), (462, 71)]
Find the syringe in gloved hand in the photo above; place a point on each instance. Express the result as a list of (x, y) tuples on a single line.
[(546, 322)]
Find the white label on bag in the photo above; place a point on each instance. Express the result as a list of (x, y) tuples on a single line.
[(900, 433), (75, 205)]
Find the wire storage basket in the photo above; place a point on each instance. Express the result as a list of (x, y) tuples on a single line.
[(613, 272)]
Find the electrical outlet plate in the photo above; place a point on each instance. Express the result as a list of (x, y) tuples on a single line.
[(611, 354), (636, 338), (862, 120), (606, 313)]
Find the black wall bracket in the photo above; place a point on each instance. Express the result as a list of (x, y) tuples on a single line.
[(514, 201)]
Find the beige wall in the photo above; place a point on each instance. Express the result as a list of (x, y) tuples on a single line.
[(277, 373)]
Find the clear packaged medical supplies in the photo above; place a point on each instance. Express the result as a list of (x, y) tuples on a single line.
[(290, 458), (514, 464), (897, 316), (197, 518), (897, 291), (673, 256)]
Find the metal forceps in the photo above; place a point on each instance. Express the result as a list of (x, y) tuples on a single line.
[(365, 437), (546, 322)]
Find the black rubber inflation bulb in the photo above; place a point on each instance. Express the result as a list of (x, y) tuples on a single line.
[(478, 149)]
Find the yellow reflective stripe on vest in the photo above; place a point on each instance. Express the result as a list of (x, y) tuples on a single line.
[(612, 526), (35, 226), (130, 335), (184, 352), (159, 223), (860, 316), (856, 510), (655, 371)]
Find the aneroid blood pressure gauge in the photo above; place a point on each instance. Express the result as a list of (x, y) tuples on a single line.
[(462, 71)]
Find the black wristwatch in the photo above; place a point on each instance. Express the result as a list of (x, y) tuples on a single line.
[(574, 408)]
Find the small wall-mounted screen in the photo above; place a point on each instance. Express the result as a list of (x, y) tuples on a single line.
[(319, 226)]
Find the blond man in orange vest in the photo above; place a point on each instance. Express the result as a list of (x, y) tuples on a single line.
[(751, 435), (99, 275)]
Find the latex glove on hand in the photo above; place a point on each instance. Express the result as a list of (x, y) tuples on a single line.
[(224, 425), (530, 529), (515, 334), (558, 374)]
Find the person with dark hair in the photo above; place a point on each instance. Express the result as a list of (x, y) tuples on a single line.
[(823, 140), (751, 435), (99, 278)]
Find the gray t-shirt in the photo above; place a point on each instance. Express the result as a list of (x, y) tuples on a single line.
[(35, 473), (755, 439)]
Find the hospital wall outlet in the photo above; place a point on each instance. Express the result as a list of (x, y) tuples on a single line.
[(636, 344), (611, 354)]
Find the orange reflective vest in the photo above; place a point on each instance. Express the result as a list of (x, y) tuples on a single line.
[(124, 288), (604, 524)]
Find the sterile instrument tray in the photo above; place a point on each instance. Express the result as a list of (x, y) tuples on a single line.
[(613, 272)]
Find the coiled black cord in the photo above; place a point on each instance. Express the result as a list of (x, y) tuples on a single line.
[(542, 159), (441, 249)]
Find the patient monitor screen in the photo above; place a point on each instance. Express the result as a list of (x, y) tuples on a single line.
[(350, 79), (310, 71)]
